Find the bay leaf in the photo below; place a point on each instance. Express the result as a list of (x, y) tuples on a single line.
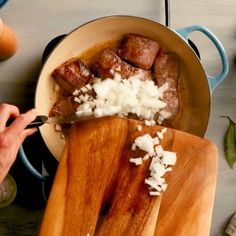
[(230, 143)]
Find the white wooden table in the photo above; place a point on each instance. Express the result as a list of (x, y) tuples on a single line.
[(37, 22)]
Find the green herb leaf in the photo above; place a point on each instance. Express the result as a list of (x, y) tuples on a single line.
[(230, 143)]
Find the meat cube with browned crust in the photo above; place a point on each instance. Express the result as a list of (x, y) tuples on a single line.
[(71, 75), (64, 107), (139, 50), (108, 62), (166, 69)]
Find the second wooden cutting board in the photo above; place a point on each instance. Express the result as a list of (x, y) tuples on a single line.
[(187, 204), (86, 186)]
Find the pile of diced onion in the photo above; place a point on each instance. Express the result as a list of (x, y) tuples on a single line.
[(161, 160), (143, 98), (122, 97)]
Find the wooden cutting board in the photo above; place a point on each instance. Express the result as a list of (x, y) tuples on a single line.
[(187, 205), (97, 191)]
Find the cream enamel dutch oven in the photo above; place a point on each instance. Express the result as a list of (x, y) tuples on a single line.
[(196, 85)]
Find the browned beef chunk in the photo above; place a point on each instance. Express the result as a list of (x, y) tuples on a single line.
[(64, 107), (166, 69), (108, 63), (71, 75), (139, 51)]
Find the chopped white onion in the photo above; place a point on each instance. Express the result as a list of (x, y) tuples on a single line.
[(154, 193), (139, 127), (164, 130), (84, 89), (152, 183), (160, 162), (147, 122), (98, 112), (169, 158), (146, 157), (136, 161), (76, 92), (168, 169), (163, 88), (165, 114), (76, 99), (58, 127), (156, 141), (145, 143), (160, 135), (133, 147), (120, 97), (164, 187), (159, 151), (88, 86), (158, 169)]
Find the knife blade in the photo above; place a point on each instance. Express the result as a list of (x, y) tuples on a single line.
[(60, 120)]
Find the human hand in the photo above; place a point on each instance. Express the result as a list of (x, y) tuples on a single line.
[(13, 136)]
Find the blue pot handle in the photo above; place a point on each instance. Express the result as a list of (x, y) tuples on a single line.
[(29, 166), (212, 80)]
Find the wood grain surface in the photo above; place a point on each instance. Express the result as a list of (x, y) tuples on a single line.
[(130, 209), (83, 174), (96, 178), (187, 205)]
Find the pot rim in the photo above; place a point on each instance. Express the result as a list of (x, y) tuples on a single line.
[(139, 18)]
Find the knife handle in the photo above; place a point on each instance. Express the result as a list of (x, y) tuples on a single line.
[(37, 122)]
